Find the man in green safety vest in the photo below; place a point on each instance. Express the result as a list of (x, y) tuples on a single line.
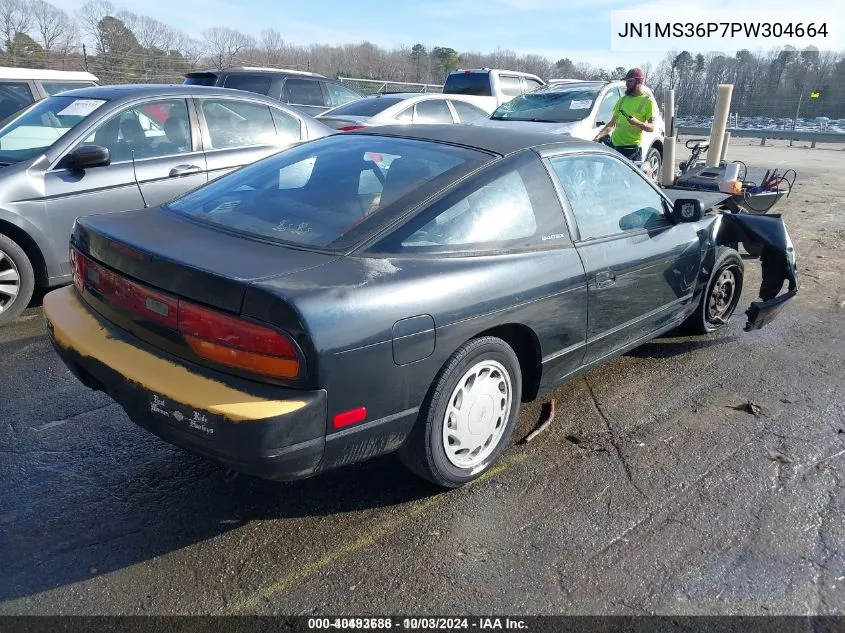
[(633, 114)]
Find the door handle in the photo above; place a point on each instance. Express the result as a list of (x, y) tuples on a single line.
[(182, 170), (605, 279)]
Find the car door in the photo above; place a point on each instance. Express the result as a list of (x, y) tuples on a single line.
[(504, 240), (159, 134), (641, 269), (239, 132)]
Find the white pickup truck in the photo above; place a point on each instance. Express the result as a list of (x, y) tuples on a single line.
[(490, 86)]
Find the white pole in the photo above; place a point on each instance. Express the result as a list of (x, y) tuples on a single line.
[(725, 146), (720, 120)]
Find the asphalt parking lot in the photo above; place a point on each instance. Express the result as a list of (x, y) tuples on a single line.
[(655, 490)]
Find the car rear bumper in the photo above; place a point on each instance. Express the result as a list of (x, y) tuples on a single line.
[(262, 430)]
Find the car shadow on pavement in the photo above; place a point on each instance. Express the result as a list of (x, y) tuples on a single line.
[(674, 346), (88, 512)]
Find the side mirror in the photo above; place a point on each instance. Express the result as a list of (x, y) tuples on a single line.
[(87, 156), (687, 210)]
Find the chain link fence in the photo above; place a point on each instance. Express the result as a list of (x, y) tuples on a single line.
[(376, 86)]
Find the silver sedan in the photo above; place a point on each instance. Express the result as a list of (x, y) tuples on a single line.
[(405, 107)]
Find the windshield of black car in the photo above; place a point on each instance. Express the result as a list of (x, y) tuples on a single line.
[(315, 194), (369, 106), (35, 129), (555, 104)]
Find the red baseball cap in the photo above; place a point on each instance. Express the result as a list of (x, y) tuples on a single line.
[(635, 73)]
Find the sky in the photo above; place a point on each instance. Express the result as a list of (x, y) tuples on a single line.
[(576, 29)]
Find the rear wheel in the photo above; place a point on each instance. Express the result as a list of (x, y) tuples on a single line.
[(469, 415), (17, 280), (721, 297)]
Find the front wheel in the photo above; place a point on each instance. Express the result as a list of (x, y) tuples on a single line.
[(468, 417), (17, 280), (653, 162), (721, 297)]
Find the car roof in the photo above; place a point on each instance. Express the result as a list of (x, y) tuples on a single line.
[(256, 69), (132, 91), (45, 75), (500, 140)]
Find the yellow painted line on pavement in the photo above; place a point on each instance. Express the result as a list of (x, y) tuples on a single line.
[(377, 533)]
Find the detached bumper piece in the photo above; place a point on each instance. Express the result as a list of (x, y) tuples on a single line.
[(777, 261)]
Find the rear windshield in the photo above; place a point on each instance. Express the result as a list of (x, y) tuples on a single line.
[(477, 84), (369, 106), (315, 194), (557, 104), (200, 80)]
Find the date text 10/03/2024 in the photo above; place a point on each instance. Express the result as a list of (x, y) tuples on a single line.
[(418, 624)]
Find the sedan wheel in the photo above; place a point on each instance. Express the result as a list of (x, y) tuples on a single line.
[(653, 163), (16, 280), (468, 416), (722, 294), (721, 299), (477, 414)]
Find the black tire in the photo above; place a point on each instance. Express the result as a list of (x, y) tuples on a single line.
[(424, 453), (710, 316), (18, 273), (654, 156)]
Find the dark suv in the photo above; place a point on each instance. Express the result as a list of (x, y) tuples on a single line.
[(308, 92)]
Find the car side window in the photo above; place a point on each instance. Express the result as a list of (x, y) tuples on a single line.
[(288, 126), (607, 196), (434, 111), (514, 208), (14, 95), (510, 85), (531, 84), (468, 112), (55, 87), (304, 92), (238, 123), (338, 95), (406, 116), (152, 130), (605, 111)]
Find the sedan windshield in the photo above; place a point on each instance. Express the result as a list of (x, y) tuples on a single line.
[(317, 193), (557, 104), (37, 128)]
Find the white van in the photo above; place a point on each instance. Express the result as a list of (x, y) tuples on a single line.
[(21, 86)]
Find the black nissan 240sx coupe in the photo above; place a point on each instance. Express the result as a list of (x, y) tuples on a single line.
[(394, 289)]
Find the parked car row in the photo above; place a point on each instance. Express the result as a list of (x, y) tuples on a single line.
[(125, 147), (119, 148)]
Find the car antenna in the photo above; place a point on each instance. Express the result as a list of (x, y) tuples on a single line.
[(135, 176)]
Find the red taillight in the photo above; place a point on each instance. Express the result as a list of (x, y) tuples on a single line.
[(212, 335), (349, 128), (232, 341)]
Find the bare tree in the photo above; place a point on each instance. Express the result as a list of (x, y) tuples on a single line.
[(271, 46), (90, 15), (56, 32), (224, 44), (15, 17)]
